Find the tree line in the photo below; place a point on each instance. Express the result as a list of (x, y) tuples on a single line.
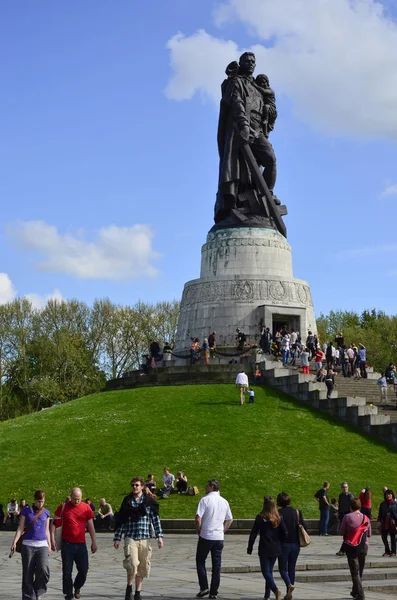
[(69, 349), (373, 328)]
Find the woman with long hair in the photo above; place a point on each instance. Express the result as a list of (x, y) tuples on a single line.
[(34, 523), (272, 531), (387, 511), (290, 545), (366, 502)]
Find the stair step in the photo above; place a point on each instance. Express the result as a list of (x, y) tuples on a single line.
[(340, 567), (339, 575)]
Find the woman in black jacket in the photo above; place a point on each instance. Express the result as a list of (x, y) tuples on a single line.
[(272, 531), (388, 510), (290, 545)]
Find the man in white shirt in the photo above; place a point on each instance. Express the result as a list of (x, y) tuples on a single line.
[(242, 383), (213, 519)]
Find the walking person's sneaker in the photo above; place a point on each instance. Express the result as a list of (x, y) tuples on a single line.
[(128, 592), (340, 553), (77, 593), (137, 595), (202, 593), (213, 595), (278, 595)]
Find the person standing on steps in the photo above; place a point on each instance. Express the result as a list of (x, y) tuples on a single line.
[(362, 353), (137, 516), (344, 509), (74, 516), (356, 529), (305, 361), (212, 343), (330, 382), (272, 532), (323, 504), (213, 519), (382, 383)]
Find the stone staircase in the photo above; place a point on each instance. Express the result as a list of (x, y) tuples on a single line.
[(380, 575), (349, 401)]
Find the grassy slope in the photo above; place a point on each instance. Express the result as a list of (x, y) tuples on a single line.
[(100, 441)]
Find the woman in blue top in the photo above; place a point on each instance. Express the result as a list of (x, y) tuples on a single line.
[(35, 549), (272, 531)]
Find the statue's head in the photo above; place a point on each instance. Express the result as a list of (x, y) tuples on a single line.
[(232, 69), (262, 80), (247, 63)]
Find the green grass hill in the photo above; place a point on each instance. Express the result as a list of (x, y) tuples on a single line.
[(99, 442)]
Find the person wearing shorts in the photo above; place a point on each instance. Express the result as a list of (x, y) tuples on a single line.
[(137, 516)]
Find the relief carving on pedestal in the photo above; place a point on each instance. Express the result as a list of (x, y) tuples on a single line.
[(244, 290), (302, 294), (246, 241), (247, 290), (277, 290)]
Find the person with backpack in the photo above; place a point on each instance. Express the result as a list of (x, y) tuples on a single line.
[(310, 344), (387, 517), (356, 529)]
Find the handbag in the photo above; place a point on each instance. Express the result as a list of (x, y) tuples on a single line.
[(18, 545), (304, 537), (58, 530)]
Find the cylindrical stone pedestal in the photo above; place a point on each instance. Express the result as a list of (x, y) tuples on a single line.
[(246, 281)]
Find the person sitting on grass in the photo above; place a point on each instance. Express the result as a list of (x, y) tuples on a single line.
[(12, 511), (150, 483), (181, 482), (105, 512), (168, 483)]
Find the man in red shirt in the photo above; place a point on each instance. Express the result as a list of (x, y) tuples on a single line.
[(74, 516)]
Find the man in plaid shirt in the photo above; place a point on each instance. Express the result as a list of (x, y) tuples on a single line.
[(137, 516)]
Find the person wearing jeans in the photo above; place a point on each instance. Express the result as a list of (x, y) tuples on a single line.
[(272, 532), (323, 504), (213, 519), (74, 516), (290, 546), (73, 553)]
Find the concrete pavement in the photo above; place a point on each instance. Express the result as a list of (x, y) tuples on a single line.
[(321, 573)]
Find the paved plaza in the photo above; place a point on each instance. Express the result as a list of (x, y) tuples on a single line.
[(174, 574)]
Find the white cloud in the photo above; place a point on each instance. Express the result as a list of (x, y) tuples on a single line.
[(199, 63), (7, 290), (117, 253), (335, 59), (39, 301), (391, 190)]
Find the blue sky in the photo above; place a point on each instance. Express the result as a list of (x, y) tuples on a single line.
[(108, 159)]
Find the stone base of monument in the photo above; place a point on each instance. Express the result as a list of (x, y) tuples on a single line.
[(246, 282)]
